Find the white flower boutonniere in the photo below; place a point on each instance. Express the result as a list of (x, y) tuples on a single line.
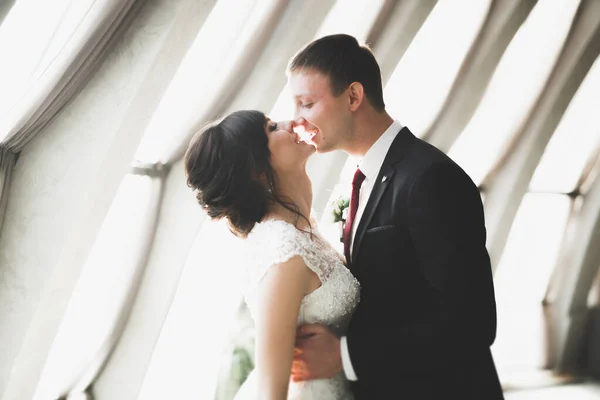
[(340, 213)]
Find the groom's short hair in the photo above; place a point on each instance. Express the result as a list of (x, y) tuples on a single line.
[(343, 60)]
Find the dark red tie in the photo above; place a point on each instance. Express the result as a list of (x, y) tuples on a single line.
[(357, 181)]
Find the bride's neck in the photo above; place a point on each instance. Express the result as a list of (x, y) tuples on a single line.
[(298, 190)]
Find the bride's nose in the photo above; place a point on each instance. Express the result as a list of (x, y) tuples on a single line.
[(286, 126)]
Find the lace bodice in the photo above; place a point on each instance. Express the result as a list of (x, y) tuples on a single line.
[(273, 242)]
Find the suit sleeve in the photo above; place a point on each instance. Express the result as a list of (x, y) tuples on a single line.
[(446, 225)]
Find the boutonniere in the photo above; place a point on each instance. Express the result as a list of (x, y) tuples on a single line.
[(340, 213)]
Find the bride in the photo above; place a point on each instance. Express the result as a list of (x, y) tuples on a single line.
[(252, 171)]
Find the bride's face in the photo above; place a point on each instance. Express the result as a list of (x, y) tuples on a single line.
[(288, 152)]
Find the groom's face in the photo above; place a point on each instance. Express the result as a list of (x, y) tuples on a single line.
[(328, 117)]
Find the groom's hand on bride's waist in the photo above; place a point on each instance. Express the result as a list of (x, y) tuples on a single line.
[(316, 354)]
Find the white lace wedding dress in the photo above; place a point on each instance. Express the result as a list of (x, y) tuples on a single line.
[(272, 242)]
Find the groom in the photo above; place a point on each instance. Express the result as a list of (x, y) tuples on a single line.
[(415, 240)]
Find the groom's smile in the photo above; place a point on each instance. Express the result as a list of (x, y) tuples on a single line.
[(323, 115)]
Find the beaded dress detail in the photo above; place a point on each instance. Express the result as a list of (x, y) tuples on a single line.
[(273, 242)]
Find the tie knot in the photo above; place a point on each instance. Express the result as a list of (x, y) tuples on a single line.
[(358, 179)]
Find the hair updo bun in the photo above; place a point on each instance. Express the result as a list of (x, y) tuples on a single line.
[(223, 163)]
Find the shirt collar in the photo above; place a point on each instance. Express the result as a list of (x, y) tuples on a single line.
[(373, 160)]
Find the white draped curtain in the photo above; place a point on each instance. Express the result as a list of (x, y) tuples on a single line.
[(190, 350), (115, 266), (5, 8), (491, 55), (65, 41)]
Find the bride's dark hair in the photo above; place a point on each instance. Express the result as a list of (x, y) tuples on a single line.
[(224, 163)]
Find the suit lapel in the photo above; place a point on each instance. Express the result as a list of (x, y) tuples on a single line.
[(385, 176), (376, 194)]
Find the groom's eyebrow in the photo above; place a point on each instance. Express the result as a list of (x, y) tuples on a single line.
[(304, 94)]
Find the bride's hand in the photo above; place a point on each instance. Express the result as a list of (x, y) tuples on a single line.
[(316, 354)]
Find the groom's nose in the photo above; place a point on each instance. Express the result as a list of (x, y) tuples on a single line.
[(304, 124)]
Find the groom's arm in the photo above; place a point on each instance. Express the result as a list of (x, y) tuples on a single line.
[(445, 218)]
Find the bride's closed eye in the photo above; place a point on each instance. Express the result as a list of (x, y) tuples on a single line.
[(273, 127)]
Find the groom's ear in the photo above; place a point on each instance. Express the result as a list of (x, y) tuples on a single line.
[(356, 95)]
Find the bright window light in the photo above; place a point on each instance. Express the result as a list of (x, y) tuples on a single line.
[(185, 363), (514, 87), (575, 140), (103, 287), (593, 300), (32, 36), (418, 86), (522, 279), (201, 73), (353, 17)]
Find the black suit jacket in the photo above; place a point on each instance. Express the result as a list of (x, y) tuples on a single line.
[(427, 314)]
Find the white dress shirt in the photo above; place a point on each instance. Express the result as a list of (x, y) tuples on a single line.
[(369, 165)]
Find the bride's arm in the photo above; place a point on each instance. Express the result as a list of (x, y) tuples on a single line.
[(280, 293)]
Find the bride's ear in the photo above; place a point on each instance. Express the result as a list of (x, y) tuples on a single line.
[(262, 178)]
